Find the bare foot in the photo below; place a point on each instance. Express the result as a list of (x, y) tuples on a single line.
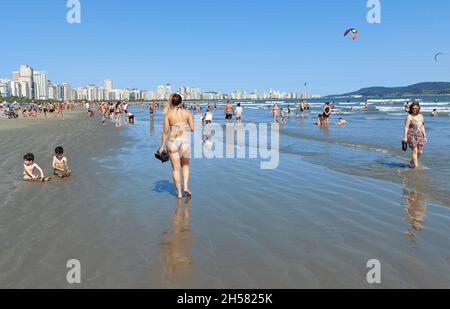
[(188, 193)]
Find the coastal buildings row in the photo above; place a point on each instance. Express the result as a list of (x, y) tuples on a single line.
[(35, 85)]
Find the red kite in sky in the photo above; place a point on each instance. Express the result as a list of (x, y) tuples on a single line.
[(354, 31)]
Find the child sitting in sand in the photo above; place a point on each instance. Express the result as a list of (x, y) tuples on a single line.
[(60, 165), (28, 170)]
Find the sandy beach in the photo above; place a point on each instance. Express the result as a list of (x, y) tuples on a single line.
[(303, 225)]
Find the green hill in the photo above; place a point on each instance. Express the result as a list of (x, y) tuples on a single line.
[(434, 88)]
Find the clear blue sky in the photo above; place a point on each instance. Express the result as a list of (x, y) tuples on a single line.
[(228, 44)]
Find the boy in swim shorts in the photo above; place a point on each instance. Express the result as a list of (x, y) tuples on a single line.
[(60, 165), (28, 170)]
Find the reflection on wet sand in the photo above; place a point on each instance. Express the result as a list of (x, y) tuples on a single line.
[(152, 125), (302, 120), (416, 203), (176, 245)]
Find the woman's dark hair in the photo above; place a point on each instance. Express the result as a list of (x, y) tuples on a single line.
[(59, 150), (176, 99), (28, 157), (118, 103), (239, 104), (411, 107)]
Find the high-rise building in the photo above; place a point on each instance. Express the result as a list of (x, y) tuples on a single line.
[(41, 85), (5, 88), (52, 92), (92, 93), (67, 92), (26, 78), (160, 92), (108, 84)]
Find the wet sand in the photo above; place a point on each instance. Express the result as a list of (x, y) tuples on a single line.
[(299, 226)]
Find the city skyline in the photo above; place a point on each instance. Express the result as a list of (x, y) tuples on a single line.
[(36, 85), (223, 46)]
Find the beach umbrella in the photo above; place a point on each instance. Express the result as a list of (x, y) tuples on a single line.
[(352, 30)]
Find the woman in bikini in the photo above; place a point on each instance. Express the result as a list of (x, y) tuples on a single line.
[(415, 133), (177, 121), (118, 112)]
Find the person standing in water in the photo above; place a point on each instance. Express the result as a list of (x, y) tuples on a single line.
[(326, 113), (282, 118), (118, 112), (239, 113), (275, 113), (415, 133), (302, 108), (229, 111), (177, 121)]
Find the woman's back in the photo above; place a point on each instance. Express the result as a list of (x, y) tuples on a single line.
[(178, 121)]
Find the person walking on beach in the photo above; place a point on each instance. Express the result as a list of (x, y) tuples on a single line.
[(60, 110), (229, 111), (118, 113), (239, 113), (275, 113), (176, 122), (302, 108), (104, 110), (111, 110), (415, 133), (282, 118), (207, 119)]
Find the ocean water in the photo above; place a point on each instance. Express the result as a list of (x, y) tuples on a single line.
[(369, 146)]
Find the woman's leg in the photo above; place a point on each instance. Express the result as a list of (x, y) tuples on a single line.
[(415, 158), (186, 176), (185, 152), (176, 167), (419, 154)]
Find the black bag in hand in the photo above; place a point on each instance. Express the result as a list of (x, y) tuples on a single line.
[(163, 156), (404, 146)]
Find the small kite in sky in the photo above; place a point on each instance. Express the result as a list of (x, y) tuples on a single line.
[(352, 30), (437, 56)]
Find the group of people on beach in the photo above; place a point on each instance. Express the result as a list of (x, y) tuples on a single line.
[(60, 167), (229, 112), (37, 110), (114, 112)]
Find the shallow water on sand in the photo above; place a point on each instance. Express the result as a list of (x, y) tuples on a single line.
[(311, 223)]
